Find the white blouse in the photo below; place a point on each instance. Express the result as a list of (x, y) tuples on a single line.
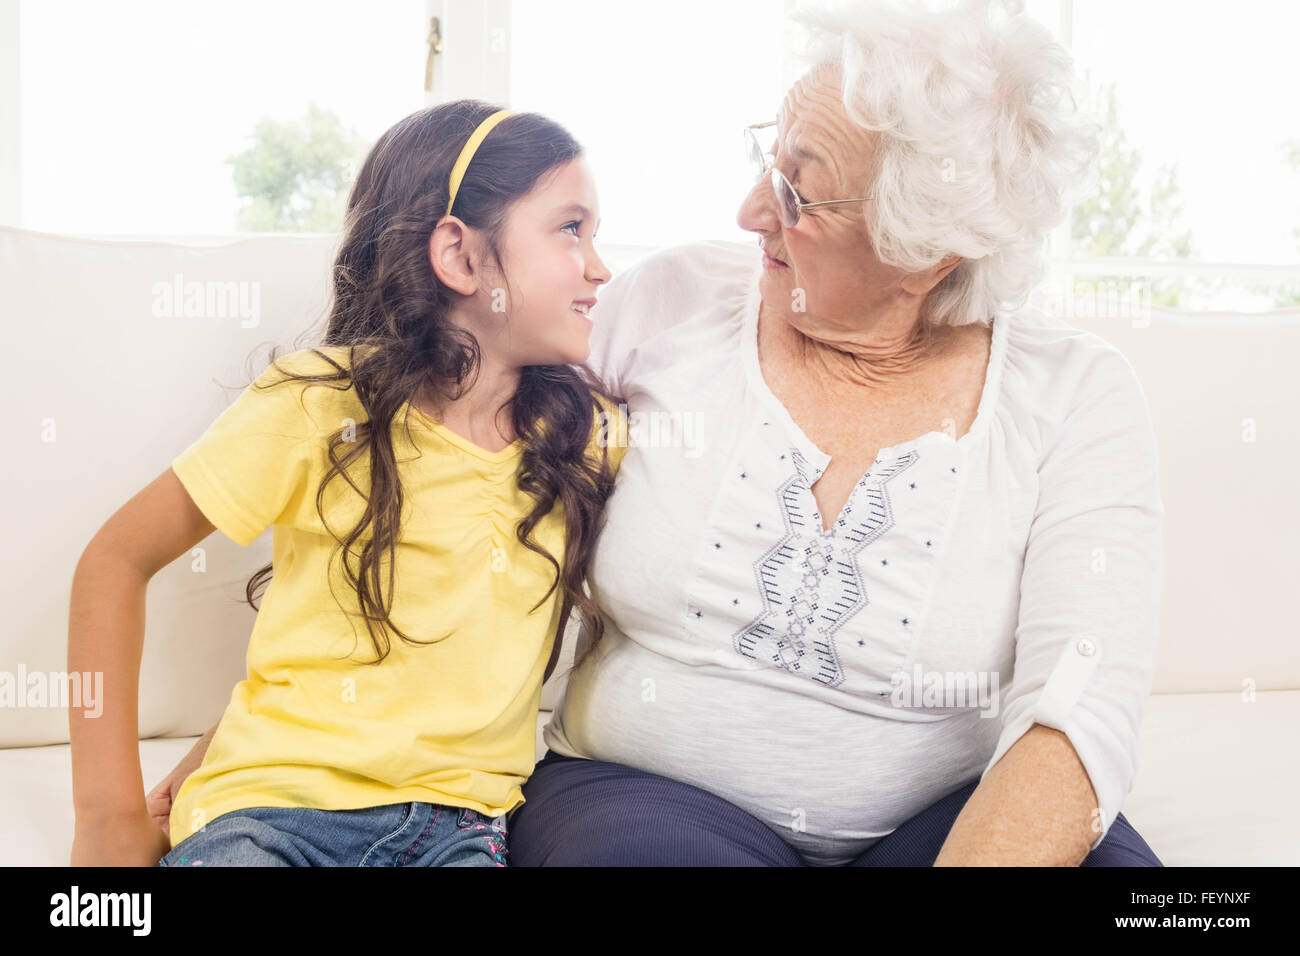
[(834, 684)]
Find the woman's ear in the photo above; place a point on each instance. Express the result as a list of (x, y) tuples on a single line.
[(451, 258), (920, 283)]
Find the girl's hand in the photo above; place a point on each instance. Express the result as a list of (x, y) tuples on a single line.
[(161, 797), (130, 840)]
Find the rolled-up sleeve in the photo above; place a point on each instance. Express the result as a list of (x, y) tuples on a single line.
[(1090, 589)]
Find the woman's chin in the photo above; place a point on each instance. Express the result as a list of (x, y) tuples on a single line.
[(776, 278)]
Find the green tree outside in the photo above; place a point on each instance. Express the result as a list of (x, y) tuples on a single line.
[(297, 175), (1116, 219), (1289, 296)]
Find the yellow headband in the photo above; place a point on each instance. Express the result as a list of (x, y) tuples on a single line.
[(467, 153)]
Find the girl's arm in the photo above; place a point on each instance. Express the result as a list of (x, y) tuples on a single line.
[(106, 635)]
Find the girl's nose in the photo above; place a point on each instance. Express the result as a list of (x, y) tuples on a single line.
[(596, 270)]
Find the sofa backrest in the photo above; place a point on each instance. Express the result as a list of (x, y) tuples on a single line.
[(1225, 401), (117, 365), (110, 378)]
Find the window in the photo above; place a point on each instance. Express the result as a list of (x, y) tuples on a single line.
[(1197, 207), (131, 109), (143, 117), (658, 95)]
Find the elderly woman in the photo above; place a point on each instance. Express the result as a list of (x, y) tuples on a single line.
[(896, 602)]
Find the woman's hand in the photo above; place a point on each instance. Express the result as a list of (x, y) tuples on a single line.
[(132, 839), (161, 797)]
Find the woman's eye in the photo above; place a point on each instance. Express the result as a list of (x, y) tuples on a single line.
[(576, 225)]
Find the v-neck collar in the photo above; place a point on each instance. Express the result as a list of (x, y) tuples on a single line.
[(819, 458)]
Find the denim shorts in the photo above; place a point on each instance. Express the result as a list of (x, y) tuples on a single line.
[(399, 834)]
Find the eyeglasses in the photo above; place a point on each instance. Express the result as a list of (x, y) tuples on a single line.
[(788, 204)]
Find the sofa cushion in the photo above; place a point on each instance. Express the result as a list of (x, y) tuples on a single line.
[(1215, 785), (1217, 778)]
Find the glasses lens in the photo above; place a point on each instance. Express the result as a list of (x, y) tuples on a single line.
[(753, 154), (787, 203)]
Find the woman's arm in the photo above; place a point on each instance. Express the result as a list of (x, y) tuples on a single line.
[(106, 635), (1085, 639), (1035, 807)]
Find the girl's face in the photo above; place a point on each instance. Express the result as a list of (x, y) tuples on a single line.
[(548, 255)]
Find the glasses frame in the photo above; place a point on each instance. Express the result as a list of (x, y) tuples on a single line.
[(754, 147)]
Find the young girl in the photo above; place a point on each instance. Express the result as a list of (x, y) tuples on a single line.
[(435, 473)]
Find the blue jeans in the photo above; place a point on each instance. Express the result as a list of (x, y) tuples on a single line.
[(399, 834), (594, 813)]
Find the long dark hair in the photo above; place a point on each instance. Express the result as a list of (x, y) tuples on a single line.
[(390, 309)]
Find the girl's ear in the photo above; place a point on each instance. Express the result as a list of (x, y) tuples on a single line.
[(450, 256)]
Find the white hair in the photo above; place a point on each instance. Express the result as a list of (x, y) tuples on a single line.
[(978, 136)]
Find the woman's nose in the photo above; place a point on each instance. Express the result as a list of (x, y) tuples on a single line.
[(757, 212)]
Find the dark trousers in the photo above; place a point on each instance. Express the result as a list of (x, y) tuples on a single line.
[(593, 813)]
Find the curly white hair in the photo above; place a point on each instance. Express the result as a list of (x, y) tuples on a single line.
[(978, 137)]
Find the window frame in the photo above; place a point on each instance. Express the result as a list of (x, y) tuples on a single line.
[(475, 62)]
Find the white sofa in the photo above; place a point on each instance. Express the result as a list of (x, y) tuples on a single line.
[(105, 386)]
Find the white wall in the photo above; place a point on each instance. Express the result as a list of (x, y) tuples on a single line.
[(11, 126)]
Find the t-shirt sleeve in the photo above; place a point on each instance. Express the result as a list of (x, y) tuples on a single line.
[(251, 468), (1091, 584)]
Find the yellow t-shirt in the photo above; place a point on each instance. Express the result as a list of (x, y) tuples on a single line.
[(312, 725)]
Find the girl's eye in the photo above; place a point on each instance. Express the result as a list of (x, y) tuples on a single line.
[(576, 225)]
